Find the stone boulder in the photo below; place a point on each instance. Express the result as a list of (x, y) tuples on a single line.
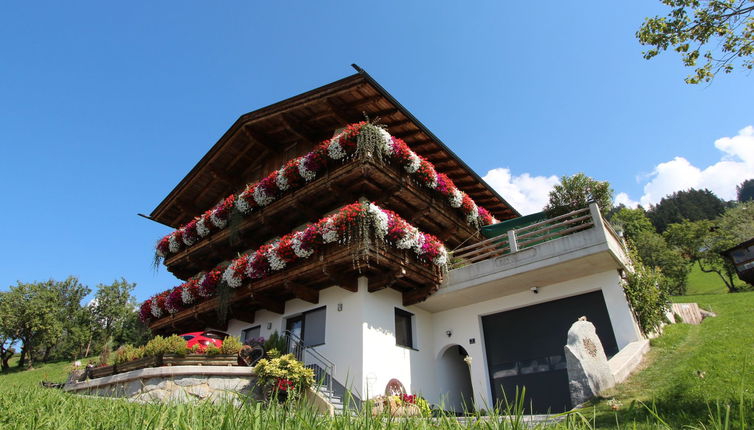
[(588, 371)]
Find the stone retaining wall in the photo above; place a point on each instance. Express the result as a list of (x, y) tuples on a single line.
[(174, 384)]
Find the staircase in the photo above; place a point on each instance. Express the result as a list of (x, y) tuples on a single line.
[(323, 368)]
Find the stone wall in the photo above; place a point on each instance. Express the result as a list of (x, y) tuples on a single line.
[(174, 384)]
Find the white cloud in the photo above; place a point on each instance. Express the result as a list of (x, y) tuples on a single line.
[(624, 199), (735, 166), (526, 193)]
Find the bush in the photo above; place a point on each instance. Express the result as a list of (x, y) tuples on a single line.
[(284, 373), (231, 346), (128, 353), (647, 292), (212, 350), (275, 341), (166, 345)]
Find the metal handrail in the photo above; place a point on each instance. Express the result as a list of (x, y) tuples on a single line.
[(301, 349)]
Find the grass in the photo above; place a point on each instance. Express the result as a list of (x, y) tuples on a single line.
[(707, 283), (668, 393), (693, 369)]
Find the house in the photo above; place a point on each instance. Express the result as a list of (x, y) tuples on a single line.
[(304, 218)]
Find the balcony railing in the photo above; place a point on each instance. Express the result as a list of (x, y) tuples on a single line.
[(515, 240)]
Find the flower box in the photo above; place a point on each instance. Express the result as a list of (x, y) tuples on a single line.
[(141, 363), (99, 372), (199, 360)]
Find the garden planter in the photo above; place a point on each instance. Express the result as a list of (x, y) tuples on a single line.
[(99, 372), (199, 360), (151, 361)]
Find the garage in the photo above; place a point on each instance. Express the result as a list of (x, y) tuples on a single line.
[(524, 348)]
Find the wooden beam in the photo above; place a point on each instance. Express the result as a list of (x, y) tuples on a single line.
[(408, 134), (418, 295), (303, 292), (246, 313), (260, 139), (340, 280), (271, 304), (385, 280), (295, 128), (188, 207)]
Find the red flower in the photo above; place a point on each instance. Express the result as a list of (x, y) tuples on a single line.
[(145, 312), (285, 249), (285, 384), (485, 215)]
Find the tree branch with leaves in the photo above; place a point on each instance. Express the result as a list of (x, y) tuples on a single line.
[(711, 36)]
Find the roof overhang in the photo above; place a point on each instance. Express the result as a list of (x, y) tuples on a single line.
[(312, 117)]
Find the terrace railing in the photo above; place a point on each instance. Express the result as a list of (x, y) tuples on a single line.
[(515, 240), (324, 369)]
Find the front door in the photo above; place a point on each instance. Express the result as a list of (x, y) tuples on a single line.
[(295, 326)]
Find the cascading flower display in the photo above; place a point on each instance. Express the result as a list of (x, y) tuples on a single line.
[(357, 221), (297, 172)]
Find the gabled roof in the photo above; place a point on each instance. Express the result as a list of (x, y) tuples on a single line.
[(312, 117)]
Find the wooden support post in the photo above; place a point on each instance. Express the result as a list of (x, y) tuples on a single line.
[(512, 243), (339, 280), (303, 292)]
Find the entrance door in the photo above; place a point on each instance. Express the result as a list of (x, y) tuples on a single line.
[(525, 349), (295, 326)]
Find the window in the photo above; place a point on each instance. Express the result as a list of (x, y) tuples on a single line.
[(250, 333), (309, 326), (403, 328)]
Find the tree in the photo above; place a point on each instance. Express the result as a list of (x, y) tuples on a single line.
[(733, 227), (29, 310), (69, 294), (631, 222), (113, 310), (576, 192), (745, 191), (8, 334), (711, 36), (691, 204), (654, 252)]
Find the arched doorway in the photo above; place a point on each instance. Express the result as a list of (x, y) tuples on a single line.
[(454, 380)]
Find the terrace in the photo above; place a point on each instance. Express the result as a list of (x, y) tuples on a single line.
[(529, 252)]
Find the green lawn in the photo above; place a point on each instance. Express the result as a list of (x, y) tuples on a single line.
[(693, 368), (721, 350), (707, 283)]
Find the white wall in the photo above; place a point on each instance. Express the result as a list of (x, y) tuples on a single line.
[(360, 339), (465, 323), (453, 381)]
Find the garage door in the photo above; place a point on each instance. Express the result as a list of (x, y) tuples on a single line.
[(525, 349)]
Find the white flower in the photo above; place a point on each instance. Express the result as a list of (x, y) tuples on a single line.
[(442, 257), (216, 220), (305, 173), (386, 145), (420, 239), (296, 245), (456, 198), (186, 239), (261, 197), (242, 205), (173, 244), (276, 263), (230, 277), (186, 296), (380, 220), (473, 216), (335, 150), (329, 232), (414, 163), (160, 253), (281, 181), (201, 227), (156, 311), (409, 240), (433, 180)]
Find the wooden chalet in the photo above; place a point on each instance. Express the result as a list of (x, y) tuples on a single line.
[(260, 142)]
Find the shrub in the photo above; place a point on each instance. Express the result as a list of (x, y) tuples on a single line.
[(647, 292), (166, 345), (284, 373), (212, 350), (231, 346), (128, 353), (275, 341)]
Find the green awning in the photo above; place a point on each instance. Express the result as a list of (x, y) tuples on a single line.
[(494, 230)]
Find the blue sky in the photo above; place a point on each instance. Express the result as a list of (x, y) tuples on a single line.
[(105, 107)]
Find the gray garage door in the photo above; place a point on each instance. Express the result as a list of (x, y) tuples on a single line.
[(525, 349)]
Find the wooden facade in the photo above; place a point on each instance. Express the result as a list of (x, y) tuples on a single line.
[(260, 142)]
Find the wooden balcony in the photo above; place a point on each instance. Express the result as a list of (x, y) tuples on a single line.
[(336, 266), (384, 183)]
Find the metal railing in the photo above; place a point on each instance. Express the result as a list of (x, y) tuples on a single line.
[(517, 239), (324, 370)]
